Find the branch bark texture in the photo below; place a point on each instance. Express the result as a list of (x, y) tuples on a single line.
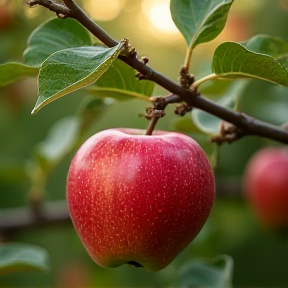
[(245, 124)]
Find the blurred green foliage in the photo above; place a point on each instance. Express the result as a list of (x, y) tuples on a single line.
[(260, 256)]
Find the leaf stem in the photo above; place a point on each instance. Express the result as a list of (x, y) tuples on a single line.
[(188, 57), (199, 82)]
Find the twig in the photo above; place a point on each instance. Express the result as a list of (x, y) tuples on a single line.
[(52, 6), (246, 124)]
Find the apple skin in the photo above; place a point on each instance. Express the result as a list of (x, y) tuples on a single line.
[(139, 199), (266, 186)]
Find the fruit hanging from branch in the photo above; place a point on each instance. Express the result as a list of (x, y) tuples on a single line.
[(139, 199)]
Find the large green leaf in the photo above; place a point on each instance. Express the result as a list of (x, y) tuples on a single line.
[(15, 257), (51, 36), (54, 35), (200, 21), (13, 71), (208, 273), (210, 124), (68, 70), (120, 83), (234, 60)]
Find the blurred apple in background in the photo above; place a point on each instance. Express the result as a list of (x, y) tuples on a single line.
[(266, 186), (139, 199)]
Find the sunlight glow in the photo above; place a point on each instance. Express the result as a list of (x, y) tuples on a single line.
[(101, 10), (158, 13)]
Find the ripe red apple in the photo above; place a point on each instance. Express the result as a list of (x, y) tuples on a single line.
[(139, 199), (266, 186)]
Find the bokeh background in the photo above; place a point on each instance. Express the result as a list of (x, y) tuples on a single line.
[(261, 256)]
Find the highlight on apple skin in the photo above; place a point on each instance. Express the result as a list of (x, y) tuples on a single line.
[(266, 186), (139, 199)]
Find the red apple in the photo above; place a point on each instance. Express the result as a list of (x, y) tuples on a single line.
[(266, 186), (139, 199)]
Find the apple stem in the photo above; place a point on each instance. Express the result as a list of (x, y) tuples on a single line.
[(152, 124), (153, 114)]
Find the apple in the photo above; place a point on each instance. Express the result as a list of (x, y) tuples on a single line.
[(139, 199), (266, 186)]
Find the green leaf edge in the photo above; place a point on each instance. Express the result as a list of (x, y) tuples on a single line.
[(22, 265), (193, 44), (228, 268), (140, 96), (31, 41), (231, 75), (40, 103), (29, 71)]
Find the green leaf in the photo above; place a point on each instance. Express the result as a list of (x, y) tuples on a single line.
[(51, 36), (208, 273), (210, 124), (71, 69), (59, 141), (234, 60), (273, 46), (54, 35), (15, 257), (13, 71), (200, 21), (265, 44), (120, 83)]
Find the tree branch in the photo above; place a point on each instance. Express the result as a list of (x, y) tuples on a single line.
[(52, 6), (246, 125), (81, 17)]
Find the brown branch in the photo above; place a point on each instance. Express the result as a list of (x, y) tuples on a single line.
[(81, 17), (246, 125), (52, 6)]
